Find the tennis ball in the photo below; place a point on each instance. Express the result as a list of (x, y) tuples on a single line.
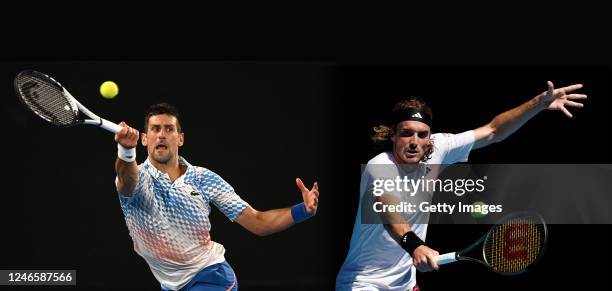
[(109, 89), (478, 205)]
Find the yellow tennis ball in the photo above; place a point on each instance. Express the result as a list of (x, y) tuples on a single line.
[(109, 89), (478, 211)]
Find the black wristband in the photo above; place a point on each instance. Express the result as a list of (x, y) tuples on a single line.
[(410, 241)]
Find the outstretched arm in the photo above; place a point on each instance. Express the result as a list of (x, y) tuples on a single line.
[(505, 124), (263, 223), (127, 171)]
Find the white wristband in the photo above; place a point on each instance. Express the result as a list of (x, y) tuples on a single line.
[(125, 154)]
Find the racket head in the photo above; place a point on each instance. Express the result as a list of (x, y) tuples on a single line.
[(46, 98), (516, 243)]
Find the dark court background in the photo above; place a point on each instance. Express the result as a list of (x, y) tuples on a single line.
[(261, 124), (257, 125), (466, 97)]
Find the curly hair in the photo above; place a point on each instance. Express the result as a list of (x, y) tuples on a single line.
[(383, 132)]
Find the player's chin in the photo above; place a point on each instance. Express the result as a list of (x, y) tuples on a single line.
[(411, 158), (161, 158)]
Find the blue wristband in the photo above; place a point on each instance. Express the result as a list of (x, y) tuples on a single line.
[(299, 213)]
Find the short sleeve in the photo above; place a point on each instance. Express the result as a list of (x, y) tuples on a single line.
[(454, 148), (379, 171), (221, 194)]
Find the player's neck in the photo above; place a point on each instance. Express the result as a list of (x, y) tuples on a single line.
[(172, 168)]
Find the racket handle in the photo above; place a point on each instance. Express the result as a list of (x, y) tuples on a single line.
[(110, 126), (446, 258)]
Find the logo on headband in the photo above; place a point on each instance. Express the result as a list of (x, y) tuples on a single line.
[(410, 114)]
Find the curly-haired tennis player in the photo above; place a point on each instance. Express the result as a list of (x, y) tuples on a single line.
[(386, 256)]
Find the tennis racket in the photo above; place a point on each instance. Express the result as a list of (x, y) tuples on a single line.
[(49, 100), (510, 247)]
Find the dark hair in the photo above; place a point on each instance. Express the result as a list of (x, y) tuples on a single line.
[(382, 133), (162, 108)]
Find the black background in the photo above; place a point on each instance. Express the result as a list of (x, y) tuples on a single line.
[(260, 125), (302, 118), (467, 97), (257, 125)]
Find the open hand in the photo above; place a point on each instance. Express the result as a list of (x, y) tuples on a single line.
[(311, 197), (558, 99)]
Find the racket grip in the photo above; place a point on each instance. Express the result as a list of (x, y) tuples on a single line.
[(110, 126), (446, 258)]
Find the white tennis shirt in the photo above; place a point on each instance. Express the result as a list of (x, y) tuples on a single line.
[(376, 261)]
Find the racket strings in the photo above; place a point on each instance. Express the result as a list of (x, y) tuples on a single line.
[(46, 100), (515, 245)]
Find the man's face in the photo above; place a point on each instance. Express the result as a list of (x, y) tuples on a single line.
[(410, 139), (162, 138)]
